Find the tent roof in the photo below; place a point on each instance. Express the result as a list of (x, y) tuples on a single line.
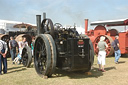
[(119, 22), (22, 25)]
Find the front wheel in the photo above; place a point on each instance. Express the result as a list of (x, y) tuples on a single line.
[(26, 56)]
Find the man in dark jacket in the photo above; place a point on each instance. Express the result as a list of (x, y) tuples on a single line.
[(116, 49), (12, 46)]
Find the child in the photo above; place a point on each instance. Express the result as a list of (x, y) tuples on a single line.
[(17, 59)]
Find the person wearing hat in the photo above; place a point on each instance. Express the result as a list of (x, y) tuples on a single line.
[(102, 46)]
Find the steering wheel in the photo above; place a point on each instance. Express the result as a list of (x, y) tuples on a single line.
[(58, 26)]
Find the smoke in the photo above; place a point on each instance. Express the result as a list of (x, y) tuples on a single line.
[(74, 16), (63, 11)]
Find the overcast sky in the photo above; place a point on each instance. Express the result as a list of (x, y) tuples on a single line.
[(66, 12)]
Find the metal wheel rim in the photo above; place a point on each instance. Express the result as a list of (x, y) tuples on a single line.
[(53, 54), (108, 40), (26, 56), (91, 51), (42, 54)]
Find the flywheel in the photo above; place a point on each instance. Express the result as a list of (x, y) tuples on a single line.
[(47, 27)]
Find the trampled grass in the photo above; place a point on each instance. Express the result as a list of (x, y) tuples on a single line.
[(116, 74)]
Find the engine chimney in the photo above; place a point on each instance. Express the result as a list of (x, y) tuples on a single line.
[(44, 15), (86, 26), (38, 21)]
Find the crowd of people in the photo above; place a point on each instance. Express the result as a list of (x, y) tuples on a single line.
[(13, 47), (20, 45)]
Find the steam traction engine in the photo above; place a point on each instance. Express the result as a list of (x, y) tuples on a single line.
[(101, 30), (58, 47)]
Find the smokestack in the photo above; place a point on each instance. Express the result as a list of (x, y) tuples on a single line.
[(38, 21), (44, 15), (86, 26)]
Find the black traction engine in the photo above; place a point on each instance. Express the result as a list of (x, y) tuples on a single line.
[(59, 47)]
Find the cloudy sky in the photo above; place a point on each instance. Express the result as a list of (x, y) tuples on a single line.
[(66, 12)]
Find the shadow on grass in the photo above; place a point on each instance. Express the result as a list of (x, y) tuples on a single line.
[(124, 56), (15, 67), (110, 68), (79, 74), (120, 62), (17, 70)]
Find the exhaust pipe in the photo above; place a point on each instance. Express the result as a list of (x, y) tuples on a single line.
[(44, 15), (86, 26), (38, 21)]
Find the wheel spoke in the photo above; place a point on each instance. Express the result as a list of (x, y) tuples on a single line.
[(41, 56), (108, 40)]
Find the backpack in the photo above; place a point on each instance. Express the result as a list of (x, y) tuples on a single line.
[(13, 43), (113, 44)]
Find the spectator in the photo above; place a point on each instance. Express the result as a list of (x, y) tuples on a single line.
[(102, 45), (32, 44), (3, 58), (17, 59), (22, 43), (116, 49), (12, 45)]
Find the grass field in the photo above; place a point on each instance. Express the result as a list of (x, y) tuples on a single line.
[(116, 74)]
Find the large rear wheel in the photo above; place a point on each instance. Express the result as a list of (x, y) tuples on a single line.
[(44, 55), (108, 40), (91, 51), (53, 54), (91, 57)]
